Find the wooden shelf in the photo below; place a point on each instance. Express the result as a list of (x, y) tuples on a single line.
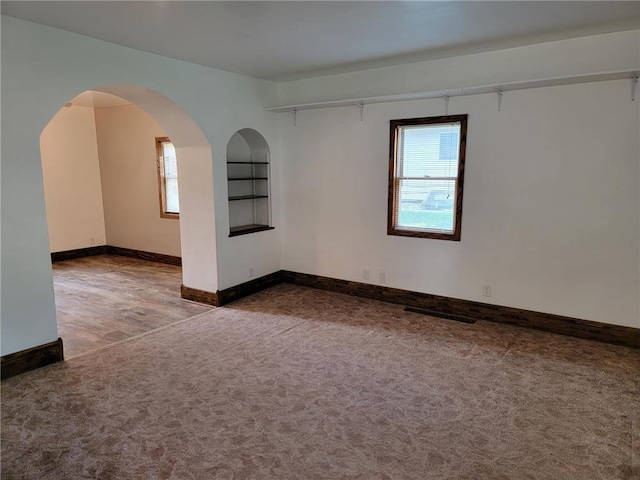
[(247, 163), (462, 91), (247, 197), (246, 178), (244, 229)]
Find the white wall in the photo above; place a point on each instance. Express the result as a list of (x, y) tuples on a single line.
[(567, 260), (551, 201), (42, 69), (100, 180), (73, 192), (128, 167)]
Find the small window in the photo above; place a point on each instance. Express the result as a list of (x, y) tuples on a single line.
[(426, 176), (167, 178)]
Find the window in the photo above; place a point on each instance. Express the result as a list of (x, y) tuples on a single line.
[(167, 178), (426, 176)]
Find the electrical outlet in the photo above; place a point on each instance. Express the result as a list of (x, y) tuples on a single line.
[(382, 277), (251, 272), (92, 241), (486, 290), (365, 274)]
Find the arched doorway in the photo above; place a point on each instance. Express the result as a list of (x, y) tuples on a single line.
[(196, 226)]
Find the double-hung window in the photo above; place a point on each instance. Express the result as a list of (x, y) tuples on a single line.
[(426, 177), (167, 178)]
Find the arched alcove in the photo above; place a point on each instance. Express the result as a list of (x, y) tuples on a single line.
[(249, 183)]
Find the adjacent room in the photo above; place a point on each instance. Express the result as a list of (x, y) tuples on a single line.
[(309, 240), (111, 182), (103, 165)]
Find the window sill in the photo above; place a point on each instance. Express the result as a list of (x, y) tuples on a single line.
[(455, 237)]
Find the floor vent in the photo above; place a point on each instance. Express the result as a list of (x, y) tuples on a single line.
[(433, 313)]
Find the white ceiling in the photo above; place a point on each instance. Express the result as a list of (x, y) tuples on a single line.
[(296, 39)]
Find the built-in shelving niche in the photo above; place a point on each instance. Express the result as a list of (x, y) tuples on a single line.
[(248, 178)]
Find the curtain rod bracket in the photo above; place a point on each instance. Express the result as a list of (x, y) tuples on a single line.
[(295, 116), (360, 105), (634, 85), (500, 93)]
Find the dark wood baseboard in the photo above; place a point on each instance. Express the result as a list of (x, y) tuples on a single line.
[(452, 308), (78, 253), (466, 309), (142, 255), (109, 250), (232, 294), (200, 296), (31, 358)]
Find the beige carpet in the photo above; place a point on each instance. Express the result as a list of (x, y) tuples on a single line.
[(295, 383)]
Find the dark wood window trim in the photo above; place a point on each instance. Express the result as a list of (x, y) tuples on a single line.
[(161, 181), (392, 228)]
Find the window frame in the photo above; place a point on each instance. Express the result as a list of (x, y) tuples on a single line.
[(162, 185), (392, 228)]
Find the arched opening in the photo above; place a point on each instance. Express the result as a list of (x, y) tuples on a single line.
[(108, 198)]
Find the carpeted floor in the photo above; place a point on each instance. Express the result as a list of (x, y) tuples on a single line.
[(295, 383)]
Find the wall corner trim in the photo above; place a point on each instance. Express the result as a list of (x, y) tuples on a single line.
[(25, 360), (142, 255), (78, 253), (200, 296), (237, 292)]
